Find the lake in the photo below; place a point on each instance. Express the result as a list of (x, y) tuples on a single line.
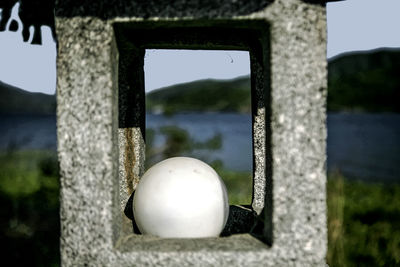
[(360, 146)]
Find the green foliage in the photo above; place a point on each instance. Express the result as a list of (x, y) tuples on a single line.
[(363, 223), (49, 166), (177, 142), (25, 173), (19, 176), (238, 184), (29, 197)]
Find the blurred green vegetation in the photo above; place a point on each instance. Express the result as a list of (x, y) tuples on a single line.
[(29, 200), (238, 184), (363, 218), (363, 223)]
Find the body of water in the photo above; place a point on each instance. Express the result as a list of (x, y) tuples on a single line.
[(362, 146), (236, 151), (28, 132)]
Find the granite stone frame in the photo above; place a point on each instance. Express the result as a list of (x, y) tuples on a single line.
[(100, 128)]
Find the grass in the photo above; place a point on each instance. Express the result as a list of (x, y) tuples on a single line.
[(29, 217), (239, 186), (363, 218), (363, 223)]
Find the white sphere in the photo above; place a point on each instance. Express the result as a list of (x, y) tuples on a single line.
[(181, 198)]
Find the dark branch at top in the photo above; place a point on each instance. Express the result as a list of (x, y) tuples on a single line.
[(32, 13)]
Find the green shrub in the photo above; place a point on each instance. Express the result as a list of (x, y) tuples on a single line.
[(29, 197), (363, 223)]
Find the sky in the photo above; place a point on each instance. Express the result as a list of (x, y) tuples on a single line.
[(353, 25)]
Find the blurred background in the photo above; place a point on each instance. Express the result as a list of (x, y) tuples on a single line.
[(200, 106)]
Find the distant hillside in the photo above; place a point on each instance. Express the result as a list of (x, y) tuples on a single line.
[(17, 101), (204, 95), (365, 81)]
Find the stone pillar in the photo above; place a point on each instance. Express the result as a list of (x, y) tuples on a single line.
[(100, 120)]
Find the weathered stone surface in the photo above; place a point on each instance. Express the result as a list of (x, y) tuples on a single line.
[(108, 9), (87, 127), (289, 81), (159, 8)]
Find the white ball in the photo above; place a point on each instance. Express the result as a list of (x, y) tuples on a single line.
[(181, 198)]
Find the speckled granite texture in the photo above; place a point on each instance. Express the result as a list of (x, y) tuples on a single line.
[(100, 127)]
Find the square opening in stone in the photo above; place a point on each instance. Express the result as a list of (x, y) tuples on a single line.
[(133, 39), (198, 104)]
